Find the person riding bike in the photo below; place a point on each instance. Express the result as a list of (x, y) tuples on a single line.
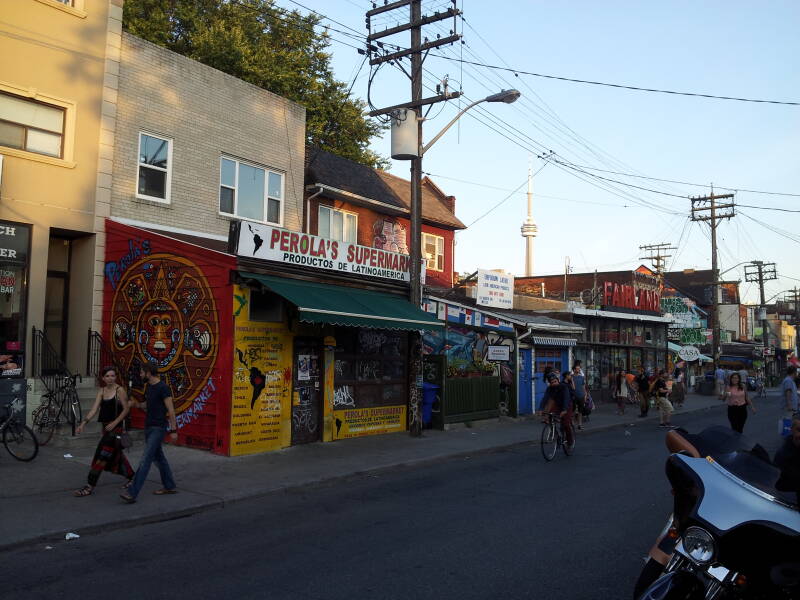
[(558, 399)]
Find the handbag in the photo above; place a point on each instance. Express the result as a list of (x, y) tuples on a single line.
[(125, 440)]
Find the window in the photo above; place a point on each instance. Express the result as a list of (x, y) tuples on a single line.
[(32, 126), (337, 225), (265, 307), (433, 249), (250, 192), (155, 168)]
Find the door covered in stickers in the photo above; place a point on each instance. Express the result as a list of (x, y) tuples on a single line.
[(307, 393), (168, 303)]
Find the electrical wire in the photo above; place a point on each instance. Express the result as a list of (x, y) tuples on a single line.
[(498, 204)]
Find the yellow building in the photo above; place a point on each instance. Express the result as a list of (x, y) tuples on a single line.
[(60, 61)]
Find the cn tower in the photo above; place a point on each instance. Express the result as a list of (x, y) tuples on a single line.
[(529, 228)]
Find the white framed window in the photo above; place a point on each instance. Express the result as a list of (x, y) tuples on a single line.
[(32, 126), (433, 250), (337, 224), (154, 176), (250, 191)]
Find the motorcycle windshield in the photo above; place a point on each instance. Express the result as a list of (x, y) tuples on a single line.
[(757, 473)]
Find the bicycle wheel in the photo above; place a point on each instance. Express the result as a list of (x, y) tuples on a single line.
[(20, 441), (549, 441), (74, 409), (45, 420), (568, 448)]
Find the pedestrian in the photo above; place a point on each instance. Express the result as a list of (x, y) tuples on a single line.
[(719, 376), (633, 389), (738, 400), (661, 391), (621, 391), (159, 420), (581, 392), (789, 390), (679, 387), (111, 406), (643, 385)]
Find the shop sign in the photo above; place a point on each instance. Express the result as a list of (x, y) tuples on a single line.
[(14, 256), (692, 336), (464, 316), (495, 289), (689, 353), (358, 422), (498, 353), (266, 242), (627, 296)]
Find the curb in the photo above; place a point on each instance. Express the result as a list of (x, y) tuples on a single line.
[(221, 503)]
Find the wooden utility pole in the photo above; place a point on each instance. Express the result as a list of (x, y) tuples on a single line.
[(415, 23), (705, 208), (759, 272), (657, 257)]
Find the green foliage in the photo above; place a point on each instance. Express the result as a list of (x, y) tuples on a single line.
[(268, 46)]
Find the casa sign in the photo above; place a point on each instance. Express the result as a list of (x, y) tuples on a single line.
[(256, 240), (627, 296), (689, 353)]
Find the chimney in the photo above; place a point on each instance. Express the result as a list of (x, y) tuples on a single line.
[(450, 202)]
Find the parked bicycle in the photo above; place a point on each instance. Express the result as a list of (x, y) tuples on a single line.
[(19, 439), (553, 436), (60, 405)]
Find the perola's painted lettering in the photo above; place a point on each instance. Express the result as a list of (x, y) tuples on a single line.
[(115, 268)]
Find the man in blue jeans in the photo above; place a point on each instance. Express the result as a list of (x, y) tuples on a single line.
[(159, 421)]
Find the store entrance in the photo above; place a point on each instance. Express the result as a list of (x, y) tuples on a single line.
[(307, 391), (56, 299)]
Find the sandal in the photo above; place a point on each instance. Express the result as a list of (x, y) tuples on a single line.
[(83, 492), (128, 498), (165, 491)]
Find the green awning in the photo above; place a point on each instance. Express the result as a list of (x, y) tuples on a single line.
[(326, 303)]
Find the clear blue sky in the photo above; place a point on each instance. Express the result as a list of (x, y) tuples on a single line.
[(730, 48)]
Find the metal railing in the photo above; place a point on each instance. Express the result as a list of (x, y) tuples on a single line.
[(99, 355), (47, 364)]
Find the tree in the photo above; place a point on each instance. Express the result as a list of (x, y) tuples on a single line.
[(276, 49)]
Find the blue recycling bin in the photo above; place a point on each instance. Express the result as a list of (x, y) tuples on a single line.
[(428, 398)]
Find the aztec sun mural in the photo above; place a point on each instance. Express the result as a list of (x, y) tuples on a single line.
[(163, 312)]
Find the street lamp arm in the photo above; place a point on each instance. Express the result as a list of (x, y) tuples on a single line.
[(747, 262), (505, 96), (448, 126)]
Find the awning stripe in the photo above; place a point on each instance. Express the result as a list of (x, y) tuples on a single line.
[(553, 341)]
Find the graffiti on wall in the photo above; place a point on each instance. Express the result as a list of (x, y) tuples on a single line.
[(161, 306), (262, 382), (389, 234)]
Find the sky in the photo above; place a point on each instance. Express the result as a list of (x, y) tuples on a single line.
[(725, 48)]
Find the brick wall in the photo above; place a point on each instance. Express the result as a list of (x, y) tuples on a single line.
[(206, 113)]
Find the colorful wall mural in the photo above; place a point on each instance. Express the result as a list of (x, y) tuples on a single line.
[(169, 303), (262, 382)]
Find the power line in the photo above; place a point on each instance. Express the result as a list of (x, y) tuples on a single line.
[(499, 203), (617, 85), (790, 210)]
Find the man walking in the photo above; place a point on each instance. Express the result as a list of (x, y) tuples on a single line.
[(719, 376), (789, 391), (159, 421), (581, 391)]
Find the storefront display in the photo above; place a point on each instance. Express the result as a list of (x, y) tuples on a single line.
[(14, 261)]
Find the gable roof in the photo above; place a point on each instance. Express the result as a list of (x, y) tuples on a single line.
[(325, 168)]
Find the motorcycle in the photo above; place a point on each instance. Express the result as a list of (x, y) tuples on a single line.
[(732, 535)]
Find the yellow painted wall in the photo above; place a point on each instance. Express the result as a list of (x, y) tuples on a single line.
[(56, 54), (261, 414)]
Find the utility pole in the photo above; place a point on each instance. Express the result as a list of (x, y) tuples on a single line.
[(705, 208), (657, 257), (759, 272), (415, 23)]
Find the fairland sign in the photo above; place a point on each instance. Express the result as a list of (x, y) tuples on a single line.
[(627, 296), (256, 240)]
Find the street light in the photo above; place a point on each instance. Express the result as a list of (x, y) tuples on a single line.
[(415, 153), (505, 96)]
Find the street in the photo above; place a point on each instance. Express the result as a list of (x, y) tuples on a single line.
[(498, 524)]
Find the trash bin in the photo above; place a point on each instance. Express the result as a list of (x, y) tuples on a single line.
[(428, 398)]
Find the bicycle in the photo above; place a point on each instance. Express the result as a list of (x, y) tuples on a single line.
[(62, 401), (553, 436), (19, 439)]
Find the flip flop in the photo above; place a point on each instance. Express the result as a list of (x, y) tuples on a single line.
[(83, 492), (165, 491)]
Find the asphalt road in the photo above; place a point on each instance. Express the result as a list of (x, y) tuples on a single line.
[(500, 525)]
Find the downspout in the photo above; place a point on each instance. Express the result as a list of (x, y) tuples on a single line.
[(519, 382), (308, 208)]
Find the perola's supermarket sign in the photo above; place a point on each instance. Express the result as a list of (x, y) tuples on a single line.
[(295, 248)]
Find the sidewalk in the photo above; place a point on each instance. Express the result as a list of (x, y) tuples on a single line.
[(36, 501)]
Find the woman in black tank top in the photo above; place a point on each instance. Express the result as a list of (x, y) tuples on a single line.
[(111, 406)]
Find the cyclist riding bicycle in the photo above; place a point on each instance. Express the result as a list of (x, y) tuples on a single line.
[(558, 399)]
